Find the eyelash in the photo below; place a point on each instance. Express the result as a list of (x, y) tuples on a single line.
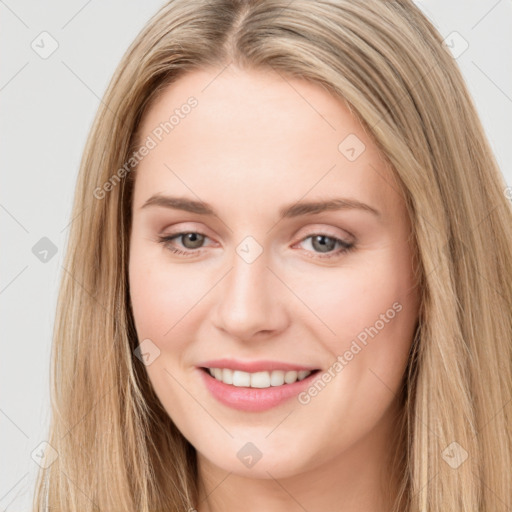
[(165, 241)]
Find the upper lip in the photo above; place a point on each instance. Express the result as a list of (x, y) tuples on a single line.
[(254, 366)]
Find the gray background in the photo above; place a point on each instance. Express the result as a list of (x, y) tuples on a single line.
[(48, 106)]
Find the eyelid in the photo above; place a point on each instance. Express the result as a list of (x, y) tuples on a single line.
[(315, 229), (322, 229), (184, 227)]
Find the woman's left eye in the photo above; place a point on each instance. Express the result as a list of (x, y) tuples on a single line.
[(326, 244), (192, 241)]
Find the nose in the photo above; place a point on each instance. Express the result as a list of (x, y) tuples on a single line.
[(252, 300)]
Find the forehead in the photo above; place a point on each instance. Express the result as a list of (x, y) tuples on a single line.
[(261, 135)]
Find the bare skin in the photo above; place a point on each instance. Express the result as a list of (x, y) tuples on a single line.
[(255, 143)]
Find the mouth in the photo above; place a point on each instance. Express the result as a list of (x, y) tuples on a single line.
[(255, 391), (259, 380)]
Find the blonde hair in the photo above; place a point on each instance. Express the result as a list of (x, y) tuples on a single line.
[(117, 447)]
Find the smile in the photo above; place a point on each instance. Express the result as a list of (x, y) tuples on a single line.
[(257, 390), (263, 379)]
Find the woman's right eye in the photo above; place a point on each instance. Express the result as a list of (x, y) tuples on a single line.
[(193, 239)]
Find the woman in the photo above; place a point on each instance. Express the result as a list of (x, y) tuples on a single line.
[(288, 281)]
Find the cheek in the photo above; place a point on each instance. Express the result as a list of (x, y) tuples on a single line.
[(372, 313), (163, 309), (368, 313), (160, 296), (168, 302), (149, 300)]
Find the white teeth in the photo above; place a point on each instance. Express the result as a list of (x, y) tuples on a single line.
[(260, 380), (277, 378), (241, 379), (227, 376), (302, 374), (257, 379), (290, 377)]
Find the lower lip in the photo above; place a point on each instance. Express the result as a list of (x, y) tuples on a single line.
[(254, 399)]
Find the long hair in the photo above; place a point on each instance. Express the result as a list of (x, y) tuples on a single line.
[(117, 448)]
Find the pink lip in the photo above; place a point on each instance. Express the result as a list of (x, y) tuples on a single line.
[(253, 366), (253, 399)]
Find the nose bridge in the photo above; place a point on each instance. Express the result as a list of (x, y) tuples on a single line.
[(249, 298)]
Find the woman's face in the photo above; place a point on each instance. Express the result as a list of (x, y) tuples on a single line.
[(293, 257)]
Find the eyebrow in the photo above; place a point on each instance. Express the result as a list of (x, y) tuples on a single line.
[(297, 209)]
